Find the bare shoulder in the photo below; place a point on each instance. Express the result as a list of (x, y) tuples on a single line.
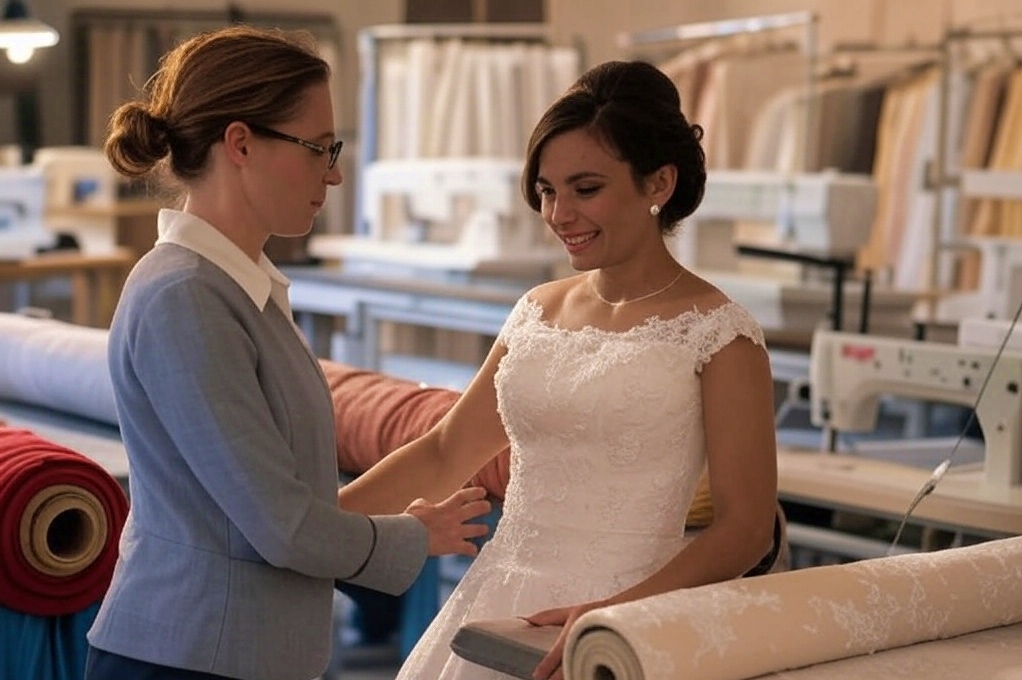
[(553, 295), (698, 293)]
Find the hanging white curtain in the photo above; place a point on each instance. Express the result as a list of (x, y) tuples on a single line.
[(458, 97), (455, 97)]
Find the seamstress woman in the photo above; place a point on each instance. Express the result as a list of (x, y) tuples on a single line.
[(234, 541)]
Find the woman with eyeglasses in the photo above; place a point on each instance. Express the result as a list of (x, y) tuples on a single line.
[(234, 541)]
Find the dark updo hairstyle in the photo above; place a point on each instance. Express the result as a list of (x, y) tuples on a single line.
[(633, 108), (239, 73)]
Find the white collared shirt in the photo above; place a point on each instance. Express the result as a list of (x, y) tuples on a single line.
[(261, 281)]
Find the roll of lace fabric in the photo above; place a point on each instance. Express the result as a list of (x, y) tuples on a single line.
[(753, 627)]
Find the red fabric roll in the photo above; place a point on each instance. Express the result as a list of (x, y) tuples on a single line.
[(30, 467), (376, 413)]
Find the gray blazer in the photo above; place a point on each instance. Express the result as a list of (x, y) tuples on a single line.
[(234, 539)]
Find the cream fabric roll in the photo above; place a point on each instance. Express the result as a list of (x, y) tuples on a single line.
[(991, 654), (56, 365), (750, 627)]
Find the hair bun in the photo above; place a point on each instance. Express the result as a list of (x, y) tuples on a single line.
[(160, 128), (137, 141)]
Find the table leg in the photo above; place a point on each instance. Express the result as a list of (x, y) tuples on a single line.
[(81, 298)]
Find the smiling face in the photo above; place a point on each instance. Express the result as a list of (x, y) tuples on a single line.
[(291, 185), (590, 200)]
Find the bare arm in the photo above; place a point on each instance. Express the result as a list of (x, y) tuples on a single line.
[(440, 462)]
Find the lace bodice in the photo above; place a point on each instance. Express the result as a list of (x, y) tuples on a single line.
[(606, 434), (607, 447)]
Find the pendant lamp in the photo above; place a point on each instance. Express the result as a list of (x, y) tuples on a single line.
[(21, 35)]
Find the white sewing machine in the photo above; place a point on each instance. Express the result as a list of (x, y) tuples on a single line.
[(1000, 276), (80, 185), (825, 212), (22, 202), (850, 372), (1000, 282), (461, 214)]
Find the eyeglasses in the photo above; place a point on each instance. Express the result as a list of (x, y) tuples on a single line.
[(334, 149)]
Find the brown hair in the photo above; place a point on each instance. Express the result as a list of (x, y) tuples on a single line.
[(239, 73), (633, 108)]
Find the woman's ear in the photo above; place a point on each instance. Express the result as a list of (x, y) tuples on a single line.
[(661, 182), (237, 138)]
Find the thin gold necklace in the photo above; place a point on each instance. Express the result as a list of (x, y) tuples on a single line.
[(592, 284)]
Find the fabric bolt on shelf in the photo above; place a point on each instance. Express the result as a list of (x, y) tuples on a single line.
[(61, 516), (56, 365), (751, 627)]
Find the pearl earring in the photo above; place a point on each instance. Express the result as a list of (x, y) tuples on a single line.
[(654, 210)]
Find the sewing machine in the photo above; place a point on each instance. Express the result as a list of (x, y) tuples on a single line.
[(81, 190), (850, 372), (1000, 281), (22, 200), (999, 289), (823, 216), (461, 214), (825, 212)]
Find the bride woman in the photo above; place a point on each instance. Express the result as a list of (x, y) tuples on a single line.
[(614, 388)]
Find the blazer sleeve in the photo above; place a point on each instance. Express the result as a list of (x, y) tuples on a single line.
[(197, 364)]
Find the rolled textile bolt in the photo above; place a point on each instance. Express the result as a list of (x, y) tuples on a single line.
[(63, 530)]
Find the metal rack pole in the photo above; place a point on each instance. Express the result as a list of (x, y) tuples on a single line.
[(939, 176), (716, 29), (811, 50)]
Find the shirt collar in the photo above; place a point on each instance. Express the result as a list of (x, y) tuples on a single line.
[(261, 281)]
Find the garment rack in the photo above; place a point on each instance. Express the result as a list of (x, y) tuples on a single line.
[(707, 30), (721, 28), (843, 58), (939, 177)]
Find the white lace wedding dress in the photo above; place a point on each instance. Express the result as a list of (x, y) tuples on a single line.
[(606, 450)]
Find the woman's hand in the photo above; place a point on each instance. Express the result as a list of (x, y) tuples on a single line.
[(446, 521), (550, 667)]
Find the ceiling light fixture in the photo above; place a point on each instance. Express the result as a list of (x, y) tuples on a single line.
[(21, 35)]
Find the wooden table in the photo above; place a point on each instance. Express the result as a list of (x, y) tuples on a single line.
[(96, 280), (130, 223), (470, 304), (961, 502)]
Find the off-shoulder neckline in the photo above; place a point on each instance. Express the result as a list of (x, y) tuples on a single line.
[(535, 311)]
